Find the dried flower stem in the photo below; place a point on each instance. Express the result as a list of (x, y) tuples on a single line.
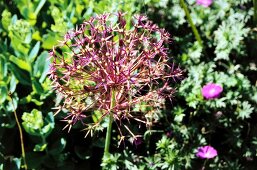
[(195, 31), (109, 128), (21, 135)]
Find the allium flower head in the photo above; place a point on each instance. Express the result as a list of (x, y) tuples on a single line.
[(205, 3), (102, 56), (206, 152), (211, 90)]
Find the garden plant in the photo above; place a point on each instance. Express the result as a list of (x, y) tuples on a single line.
[(149, 84)]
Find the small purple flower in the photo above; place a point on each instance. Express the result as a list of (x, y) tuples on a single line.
[(211, 90), (206, 152), (205, 3)]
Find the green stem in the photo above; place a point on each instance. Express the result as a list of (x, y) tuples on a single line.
[(196, 33), (204, 164), (21, 136), (109, 128), (44, 142), (255, 12)]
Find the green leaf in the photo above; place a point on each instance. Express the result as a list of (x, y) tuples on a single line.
[(59, 25), (15, 164), (58, 146), (33, 122), (6, 19), (40, 147), (49, 121), (228, 37), (110, 161), (36, 86), (3, 94), (14, 19), (20, 63), (39, 6), (179, 118), (22, 76), (46, 130), (26, 9), (13, 84), (96, 115), (3, 68), (179, 114), (33, 53), (41, 66), (26, 99), (37, 102), (244, 111), (12, 104), (49, 40), (82, 152)]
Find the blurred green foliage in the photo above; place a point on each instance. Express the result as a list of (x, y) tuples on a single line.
[(29, 29)]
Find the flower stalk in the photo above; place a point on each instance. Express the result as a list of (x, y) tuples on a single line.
[(23, 155), (255, 12), (109, 128), (189, 18)]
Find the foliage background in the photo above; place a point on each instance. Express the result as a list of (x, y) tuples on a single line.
[(30, 28)]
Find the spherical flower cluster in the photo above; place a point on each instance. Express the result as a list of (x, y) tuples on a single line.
[(205, 3), (103, 60), (206, 152), (211, 91)]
